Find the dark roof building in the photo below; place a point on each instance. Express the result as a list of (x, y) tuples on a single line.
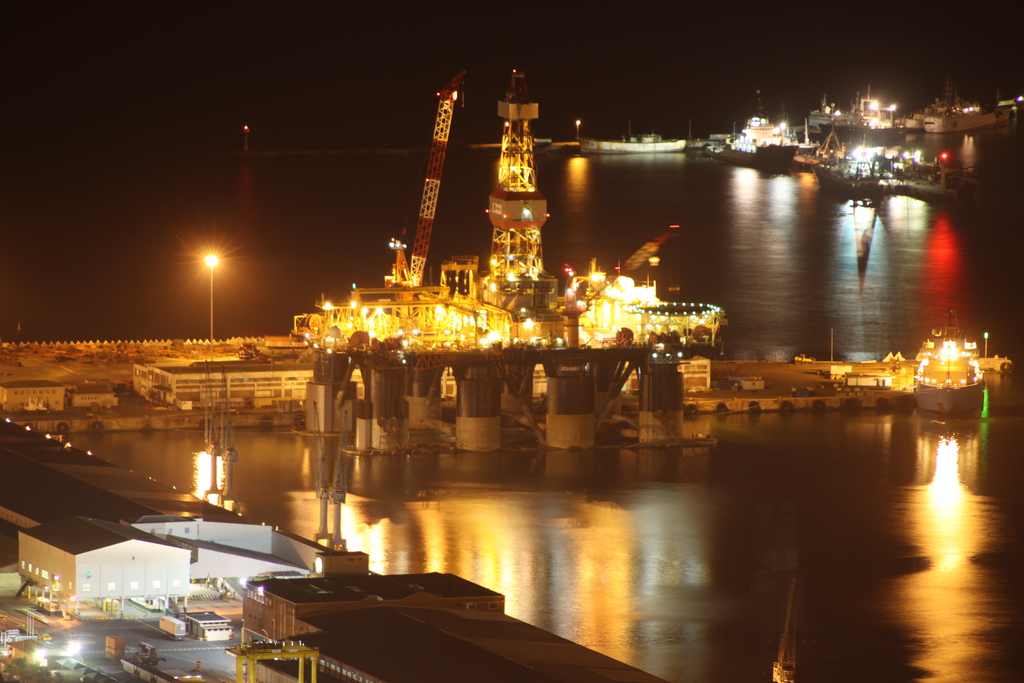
[(277, 608), (45, 480), (414, 645)]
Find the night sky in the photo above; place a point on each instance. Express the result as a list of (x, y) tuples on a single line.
[(91, 89)]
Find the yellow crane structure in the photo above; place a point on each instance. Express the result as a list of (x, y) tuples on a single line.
[(403, 274), (246, 657), (517, 280)]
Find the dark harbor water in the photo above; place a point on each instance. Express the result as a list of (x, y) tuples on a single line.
[(906, 535)]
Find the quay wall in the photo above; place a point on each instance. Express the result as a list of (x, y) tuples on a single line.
[(848, 401), (156, 421)]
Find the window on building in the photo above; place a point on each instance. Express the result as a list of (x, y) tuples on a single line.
[(156, 583), (135, 585), (46, 574), (112, 586), (86, 587), (176, 583)]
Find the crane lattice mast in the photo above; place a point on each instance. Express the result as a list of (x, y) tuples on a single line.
[(412, 275)]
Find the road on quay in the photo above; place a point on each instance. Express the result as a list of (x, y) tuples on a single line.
[(90, 634)]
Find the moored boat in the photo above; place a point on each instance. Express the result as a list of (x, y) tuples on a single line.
[(953, 115), (949, 381), (962, 117), (843, 182), (632, 144), (760, 145), (863, 174)]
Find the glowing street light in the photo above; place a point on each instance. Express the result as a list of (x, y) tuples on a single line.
[(577, 130), (211, 261), (245, 148)]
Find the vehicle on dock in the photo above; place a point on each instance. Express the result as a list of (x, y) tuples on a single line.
[(173, 627)]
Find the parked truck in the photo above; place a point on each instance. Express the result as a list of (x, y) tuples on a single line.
[(173, 627)]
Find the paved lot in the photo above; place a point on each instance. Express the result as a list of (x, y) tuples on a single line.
[(91, 631)]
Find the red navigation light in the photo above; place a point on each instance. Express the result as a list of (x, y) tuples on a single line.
[(245, 128), (943, 157)]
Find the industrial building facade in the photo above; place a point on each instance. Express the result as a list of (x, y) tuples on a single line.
[(234, 384), (31, 394)]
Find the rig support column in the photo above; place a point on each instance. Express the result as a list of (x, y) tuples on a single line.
[(570, 418), (390, 411), (423, 393), (364, 425), (603, 387), (332, 372), (661, 403), (478, 408)]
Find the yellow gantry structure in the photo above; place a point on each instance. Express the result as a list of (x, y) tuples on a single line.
[(246, 657), (517, 209), (423, 318)]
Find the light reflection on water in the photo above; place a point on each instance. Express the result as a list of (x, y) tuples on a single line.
[(651, 557), (943, 604)]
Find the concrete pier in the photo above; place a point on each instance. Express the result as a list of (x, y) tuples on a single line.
[(570, 413), (661, 403), (478, 408)]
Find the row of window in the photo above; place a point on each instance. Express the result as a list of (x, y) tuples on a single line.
[(132, 585), (87, 587), (237, 380), (52, 391)]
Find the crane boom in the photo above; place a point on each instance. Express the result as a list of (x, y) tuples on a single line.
[(432, 184)]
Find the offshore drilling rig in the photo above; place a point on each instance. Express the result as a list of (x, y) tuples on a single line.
[(493, 328), (516, 300)]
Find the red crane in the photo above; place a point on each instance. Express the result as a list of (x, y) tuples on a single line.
[(403, 275)]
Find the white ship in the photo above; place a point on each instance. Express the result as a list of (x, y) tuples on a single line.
[(961, 117), (632, 144), (949, 380)]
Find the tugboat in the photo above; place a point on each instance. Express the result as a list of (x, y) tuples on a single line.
[(949, 381)]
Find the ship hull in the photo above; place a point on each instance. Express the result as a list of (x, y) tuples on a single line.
[(957, 123), (962, 401), (769, 158), (846, 188), (591, 146)]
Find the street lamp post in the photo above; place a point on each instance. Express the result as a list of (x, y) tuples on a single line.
[(211, 261), (245, 147), (577, 130), (986, 345)]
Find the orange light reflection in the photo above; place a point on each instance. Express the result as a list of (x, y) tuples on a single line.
[(941, 602)]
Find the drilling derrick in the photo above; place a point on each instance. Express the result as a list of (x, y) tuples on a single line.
[(517, 281)]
